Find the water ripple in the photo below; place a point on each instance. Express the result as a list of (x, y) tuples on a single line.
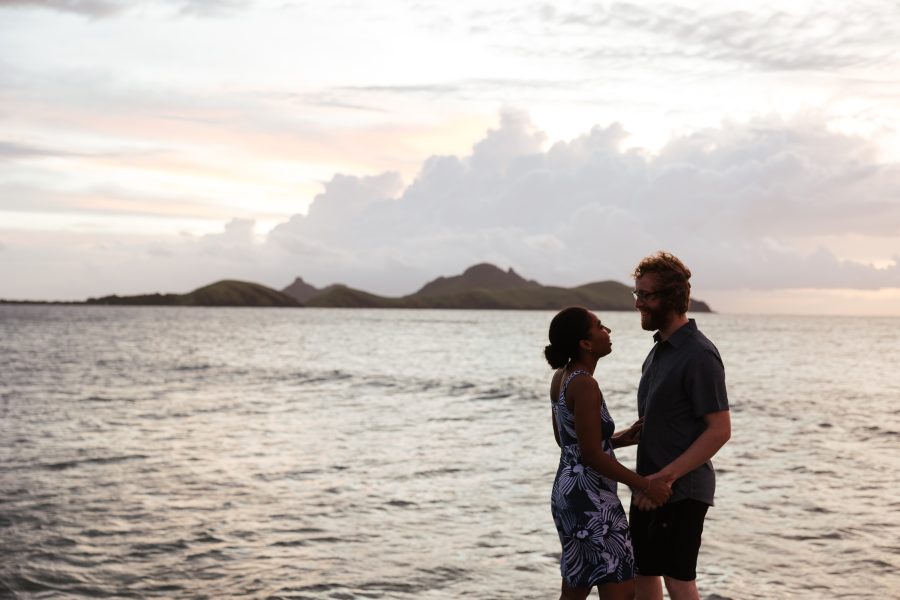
[(164, 452)]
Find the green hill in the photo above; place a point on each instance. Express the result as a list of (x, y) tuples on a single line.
[(341, 296), (482, 276), (485, 286), (238, 293), (612, 296), (221, 293), (482, 286)]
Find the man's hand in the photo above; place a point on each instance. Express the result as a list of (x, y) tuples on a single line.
[(641, 501), (657, 494), (630, 436)]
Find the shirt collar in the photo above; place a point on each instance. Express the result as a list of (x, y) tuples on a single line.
[(680, 335)]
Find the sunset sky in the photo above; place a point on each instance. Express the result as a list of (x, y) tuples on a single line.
[(161, 145)]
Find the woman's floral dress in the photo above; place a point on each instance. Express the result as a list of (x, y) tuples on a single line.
[(590, 520)]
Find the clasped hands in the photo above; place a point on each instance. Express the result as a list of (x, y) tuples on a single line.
[(656, 494)]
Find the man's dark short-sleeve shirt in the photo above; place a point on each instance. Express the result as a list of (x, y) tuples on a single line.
[(682, 380)]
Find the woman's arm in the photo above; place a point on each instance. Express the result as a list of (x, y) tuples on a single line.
[(555, 428), (586, 401)]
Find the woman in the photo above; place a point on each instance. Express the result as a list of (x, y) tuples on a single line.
[(590, 520)]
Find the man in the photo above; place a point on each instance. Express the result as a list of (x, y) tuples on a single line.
[(684, 407)]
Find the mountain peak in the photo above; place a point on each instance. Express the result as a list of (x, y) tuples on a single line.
[(487, 270), (482, 276), (300, 290)]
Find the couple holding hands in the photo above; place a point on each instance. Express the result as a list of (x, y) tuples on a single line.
[(683, 421)]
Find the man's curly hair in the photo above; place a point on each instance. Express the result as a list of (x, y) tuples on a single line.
[(673, 278)]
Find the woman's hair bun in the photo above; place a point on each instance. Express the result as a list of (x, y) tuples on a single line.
[(555, 356)]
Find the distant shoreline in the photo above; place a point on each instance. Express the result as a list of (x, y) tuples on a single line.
[(66, 302), (480, 287), (99, 305)]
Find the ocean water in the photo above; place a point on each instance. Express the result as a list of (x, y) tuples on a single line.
[(163, 452)]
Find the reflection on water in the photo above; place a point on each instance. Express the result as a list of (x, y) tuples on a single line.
[(182, 452)]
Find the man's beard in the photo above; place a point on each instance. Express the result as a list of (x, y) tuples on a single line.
[(654, 319)]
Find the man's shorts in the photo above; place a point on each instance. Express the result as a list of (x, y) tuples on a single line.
[(667, 540)]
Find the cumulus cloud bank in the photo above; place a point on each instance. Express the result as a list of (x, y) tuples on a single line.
[(738, 203), (755, 205)]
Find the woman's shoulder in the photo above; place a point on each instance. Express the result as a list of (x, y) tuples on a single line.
[(579, 382)]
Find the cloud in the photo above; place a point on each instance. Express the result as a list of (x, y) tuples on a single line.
[(235, 243), (747, 205), (205, 8), (238, 233), (103, 201), (107, 8), (91, 8), (14, 150), (734, 201), (770, 37)]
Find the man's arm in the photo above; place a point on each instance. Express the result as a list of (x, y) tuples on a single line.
[(717, 432)]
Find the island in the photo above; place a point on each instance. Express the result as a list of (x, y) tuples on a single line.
[(481, 286)]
